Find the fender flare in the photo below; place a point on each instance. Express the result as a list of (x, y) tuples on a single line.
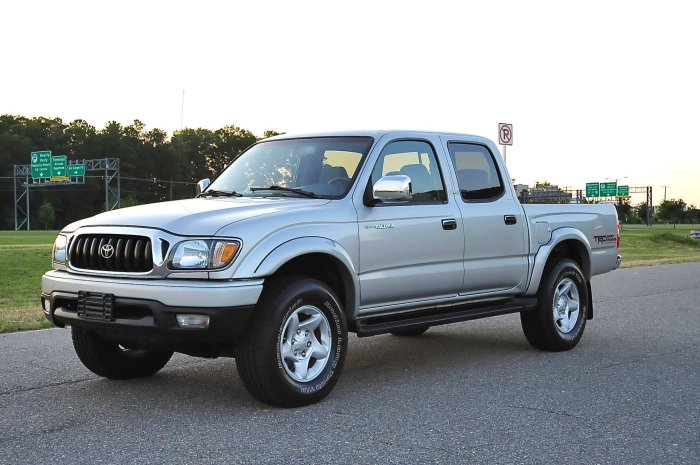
[(297, 247), (540, 261)]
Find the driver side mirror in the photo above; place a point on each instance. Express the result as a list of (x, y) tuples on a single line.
[(202, 185), (392, 188)]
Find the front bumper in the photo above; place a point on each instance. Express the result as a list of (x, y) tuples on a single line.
[(144, 311)]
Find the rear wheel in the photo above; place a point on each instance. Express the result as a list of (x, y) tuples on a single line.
[(295, 346), (110, 360), (560, 318)]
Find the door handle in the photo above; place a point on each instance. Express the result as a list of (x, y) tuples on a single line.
[(510, 219), (449, 224)]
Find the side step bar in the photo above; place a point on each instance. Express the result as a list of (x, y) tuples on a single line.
[(385, 323)]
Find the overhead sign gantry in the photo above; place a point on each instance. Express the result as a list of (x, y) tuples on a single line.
[(47, 170)]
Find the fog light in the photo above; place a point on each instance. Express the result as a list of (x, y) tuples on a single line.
[(189, 320)]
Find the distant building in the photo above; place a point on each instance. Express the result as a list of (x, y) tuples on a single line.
[(519, 188), (549, 194)]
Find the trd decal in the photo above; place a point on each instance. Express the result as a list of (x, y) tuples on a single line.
[(605, 239)]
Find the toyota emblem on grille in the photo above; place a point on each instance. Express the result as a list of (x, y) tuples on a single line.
[(107, 251)]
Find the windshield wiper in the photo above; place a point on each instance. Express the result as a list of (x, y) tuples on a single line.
[(215, 193), (286, 189)]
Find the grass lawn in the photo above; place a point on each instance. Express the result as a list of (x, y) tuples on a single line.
[(660, 244), (25, 256)]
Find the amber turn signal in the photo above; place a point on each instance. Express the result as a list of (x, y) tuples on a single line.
[(224, 252)]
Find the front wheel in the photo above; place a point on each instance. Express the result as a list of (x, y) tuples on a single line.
[(294, 349), (110, 360), (558, 322)]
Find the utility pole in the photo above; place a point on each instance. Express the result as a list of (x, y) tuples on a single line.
[(182, 110)]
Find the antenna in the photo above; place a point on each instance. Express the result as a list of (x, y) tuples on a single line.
[(182, 110)]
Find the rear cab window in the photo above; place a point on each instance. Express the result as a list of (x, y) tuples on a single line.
[(478, 177)]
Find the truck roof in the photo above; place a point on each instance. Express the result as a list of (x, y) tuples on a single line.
[(378, 133)]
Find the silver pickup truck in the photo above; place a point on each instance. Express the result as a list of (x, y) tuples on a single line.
[(302, 239)]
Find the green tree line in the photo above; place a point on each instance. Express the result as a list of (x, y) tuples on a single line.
[(668, 211), (154, 167)]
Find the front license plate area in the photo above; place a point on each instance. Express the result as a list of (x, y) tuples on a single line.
[(95, 306)]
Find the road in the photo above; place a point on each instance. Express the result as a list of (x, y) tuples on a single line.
[(474, 392)]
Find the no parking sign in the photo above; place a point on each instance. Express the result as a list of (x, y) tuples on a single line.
[(505, 134)]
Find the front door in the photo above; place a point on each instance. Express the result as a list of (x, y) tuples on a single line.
[(413, 250)]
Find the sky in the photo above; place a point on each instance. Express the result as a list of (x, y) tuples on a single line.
[(595, 90)]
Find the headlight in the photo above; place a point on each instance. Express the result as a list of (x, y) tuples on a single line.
[(203, 254), (59, 249)]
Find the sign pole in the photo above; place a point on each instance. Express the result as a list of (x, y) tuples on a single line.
[(505, 138), (28, 190), (14, 179)]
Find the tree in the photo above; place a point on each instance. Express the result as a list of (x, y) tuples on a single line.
[(270, 133), (543, 184), (229, 142), (80, 138), (47, 214), (642, 210), (624, 210), (672, 211), (129, 201), (692, 214), (153, 166)]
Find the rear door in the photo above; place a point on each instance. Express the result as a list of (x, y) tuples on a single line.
[(495, 253), (413, 250)]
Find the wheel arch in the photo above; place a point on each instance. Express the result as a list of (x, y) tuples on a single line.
[(318, 258), (565, 243)]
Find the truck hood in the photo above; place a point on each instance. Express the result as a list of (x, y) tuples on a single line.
[(195, 217)]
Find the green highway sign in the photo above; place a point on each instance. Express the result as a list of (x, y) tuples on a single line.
[(44, 166), (623, 191), (59, 168), (608, 189), (592, 189), (41, 164), (76, 170)]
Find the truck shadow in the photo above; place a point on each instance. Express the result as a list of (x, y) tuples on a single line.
[(387, 360)]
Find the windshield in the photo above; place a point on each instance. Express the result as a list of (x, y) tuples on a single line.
[(315, 167)]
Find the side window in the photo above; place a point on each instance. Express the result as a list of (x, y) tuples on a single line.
[(477, 175), (415, 159)]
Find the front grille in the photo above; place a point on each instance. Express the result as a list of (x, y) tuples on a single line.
[(109, 252)]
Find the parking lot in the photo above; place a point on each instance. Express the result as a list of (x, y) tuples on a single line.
[(470, 392)]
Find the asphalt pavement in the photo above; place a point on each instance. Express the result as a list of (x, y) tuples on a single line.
[(473, 392)]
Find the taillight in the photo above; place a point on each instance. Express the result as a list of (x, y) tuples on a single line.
[(618, 235)]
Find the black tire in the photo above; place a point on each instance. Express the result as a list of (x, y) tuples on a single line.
[(266, 371), (540, 326), (410, 332), (108, 359)]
